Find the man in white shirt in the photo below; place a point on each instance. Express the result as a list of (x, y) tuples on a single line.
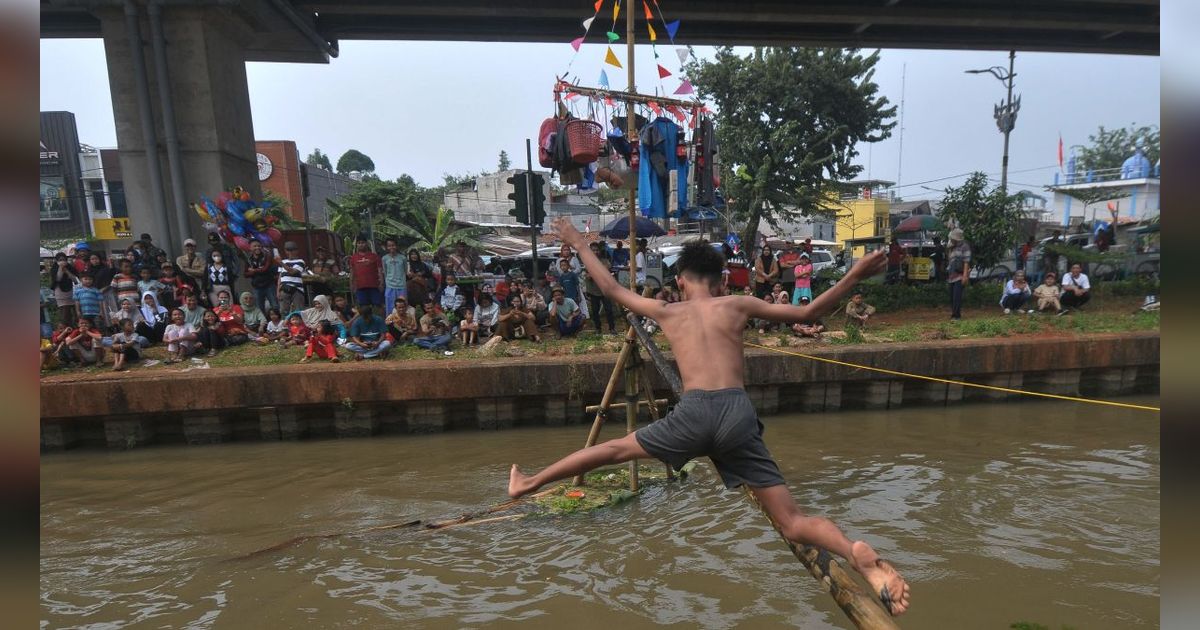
[(1076, 290)]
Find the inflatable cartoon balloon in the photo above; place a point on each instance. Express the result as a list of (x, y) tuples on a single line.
[(241, 243), (276, 236)]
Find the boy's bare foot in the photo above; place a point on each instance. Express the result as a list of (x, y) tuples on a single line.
[(882, 576), (519, 483)]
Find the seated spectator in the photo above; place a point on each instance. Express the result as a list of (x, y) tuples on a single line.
[(298, 330), (1047, 294), (128, 310), (486, 314), (125, 346), (233, 326), (209, 336), (765, 325), (58, 351), (275, 329), (193, 313), (50, 359), (323, 343), (468, 328), (1076, 290), (858, 311), (319, 312), (84, 343), (566, 312), (451, 297), (435, 330), (779, 295), (345, 314), (154, 318), (180, 337), (368, 335), (147, 283), (254, 320), (88, 299), (1016, 293), (812, 329), (402, 321), (516, 322)]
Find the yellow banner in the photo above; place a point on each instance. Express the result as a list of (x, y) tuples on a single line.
[(112, 229), (919, 268)]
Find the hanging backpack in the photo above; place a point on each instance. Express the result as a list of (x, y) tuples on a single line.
[(546, 138)]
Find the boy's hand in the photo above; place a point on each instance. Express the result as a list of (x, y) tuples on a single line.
[(870, 265), (562, 227)]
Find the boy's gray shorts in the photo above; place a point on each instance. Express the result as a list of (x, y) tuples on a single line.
[(720, 424)]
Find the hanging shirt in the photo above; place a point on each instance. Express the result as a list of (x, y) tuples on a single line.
[(658, 142)]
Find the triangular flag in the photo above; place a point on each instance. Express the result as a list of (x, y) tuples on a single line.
[(608, 100), (587, 24), (655, 49), (683, 54), (685, 87), (616, 11), (571, 96), (654, 107), (663, 72), (653, 35), (672, 28), (599, 3), (576, 43), (611, 59), (603, 78), (612, 37), (649, 15)]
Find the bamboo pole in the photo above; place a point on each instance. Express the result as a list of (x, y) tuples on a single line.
[(631, 127), (656, 356), (651, 404), (563, 86), (861, 608), (605, 401)]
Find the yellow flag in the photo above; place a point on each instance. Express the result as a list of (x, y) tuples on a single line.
[(616, 10), (611, 59), (653, 35)]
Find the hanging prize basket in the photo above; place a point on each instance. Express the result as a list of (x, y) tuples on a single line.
[(585, 138)]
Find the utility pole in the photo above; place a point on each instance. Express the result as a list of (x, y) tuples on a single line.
[(1005, 113), (533, 229)]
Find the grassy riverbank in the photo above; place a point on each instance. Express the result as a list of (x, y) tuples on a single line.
[(1116, 314)]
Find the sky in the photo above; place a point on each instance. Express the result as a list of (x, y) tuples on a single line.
[(431, 108)]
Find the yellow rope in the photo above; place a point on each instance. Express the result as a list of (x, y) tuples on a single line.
[(953, 382)]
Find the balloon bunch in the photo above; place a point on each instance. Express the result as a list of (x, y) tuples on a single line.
[(238, 219)]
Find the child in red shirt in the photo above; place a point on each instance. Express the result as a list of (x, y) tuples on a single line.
[(323, 343), (297, 332)]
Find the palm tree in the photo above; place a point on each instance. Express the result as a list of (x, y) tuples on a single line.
[(432, 233)]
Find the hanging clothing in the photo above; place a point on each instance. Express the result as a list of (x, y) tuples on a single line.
[(658, 159)]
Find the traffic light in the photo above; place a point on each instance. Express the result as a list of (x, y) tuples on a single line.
[(537, 212), (520, 197)]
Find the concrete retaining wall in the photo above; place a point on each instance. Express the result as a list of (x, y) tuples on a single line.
[(357, 400)]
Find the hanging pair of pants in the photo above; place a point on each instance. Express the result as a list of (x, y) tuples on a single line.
[(956, 298), (598, 302)]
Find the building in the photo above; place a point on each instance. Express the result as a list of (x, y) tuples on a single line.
[(485, 200), (305, 187), (863, 211), (62, 211), (1134, 187)]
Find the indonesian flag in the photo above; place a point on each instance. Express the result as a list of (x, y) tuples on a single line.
[(1060, 152), (587, 226)]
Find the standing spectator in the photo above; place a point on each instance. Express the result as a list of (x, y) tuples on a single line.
[(366, 274), (320, 278), (1047, 293), (84, 343), (190, 262), (209, 336), (566, 312), (125, 346), (766, 271), (180, 337), (218, 277), (895, 256), (154, 318), (938, 258), (808, 247), (641, 263), (858, 311), (323, 343), (515, 322), (804, 271), (1016, 293), (291, 280), (487, 313), (102, 275), (263, 272), (402, 321), (88, 299), (63, 280), (463, 261), (330, 263), (395, 272), (1076, 289), (420, 279), (566, 253), (136, 254), (193, 314), (435, 330), (958, 271), (1023, 256), (595, 297), (620, 256), (367, 337), (83, 252), (232, 256), (174, 287), (152, 251), (788, 260)]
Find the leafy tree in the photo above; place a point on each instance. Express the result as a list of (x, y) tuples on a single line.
[(990, 221), (504, 164), (355, 160), (788, 121), (433, 232), (1109, 148), (317, 158)]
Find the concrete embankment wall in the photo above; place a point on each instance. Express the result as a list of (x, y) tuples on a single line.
[(354, 400)]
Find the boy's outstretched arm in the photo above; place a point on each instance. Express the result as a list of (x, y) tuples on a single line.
[(608, 285), (870, 265)]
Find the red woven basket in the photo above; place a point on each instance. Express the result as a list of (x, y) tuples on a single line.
[(585, 138)]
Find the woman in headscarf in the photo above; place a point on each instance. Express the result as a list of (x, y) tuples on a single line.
[(420, 279), (127, 310), (253, 318), (154, 318), (320, 312), (63, 280)]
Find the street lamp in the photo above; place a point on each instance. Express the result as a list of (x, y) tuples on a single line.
[(1005, 113)]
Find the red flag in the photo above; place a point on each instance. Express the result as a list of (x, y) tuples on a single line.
[(663, 72), (1060, 152)]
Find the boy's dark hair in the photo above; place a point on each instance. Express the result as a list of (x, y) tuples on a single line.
[(700, 260), (86, 275), (327, 327), (391, 240), (274, 311), (124, 320)]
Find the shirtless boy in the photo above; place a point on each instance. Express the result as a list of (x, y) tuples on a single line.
[(714, 417)]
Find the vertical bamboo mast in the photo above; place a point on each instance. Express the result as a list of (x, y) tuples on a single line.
[(631, 374)]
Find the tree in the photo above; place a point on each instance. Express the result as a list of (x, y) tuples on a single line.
[(990, 221), (434, 231), (317, 158), (788, 121), (504, 164), (1109, 148), (355, 160)]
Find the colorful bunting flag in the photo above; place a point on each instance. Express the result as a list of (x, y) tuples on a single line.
[(587, 24), (608, 100), (685, 87), (649, 15), (672, 28), (653, 35), (603, 79), (616, 10), (612, 37), (571, 96), (663, 72), (576, 43), (599, 3), (683, 54), (655, 107), (611, 58)]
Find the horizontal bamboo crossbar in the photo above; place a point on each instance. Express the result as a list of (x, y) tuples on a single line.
[(629, 97), (660, 402)]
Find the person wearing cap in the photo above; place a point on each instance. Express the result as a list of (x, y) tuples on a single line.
[(190, 262), (569, 319), (262, 270), (803, 271), (958, 270), (83, 252), (292, 295)]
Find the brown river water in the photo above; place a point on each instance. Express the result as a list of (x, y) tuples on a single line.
[(1040, 512)]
